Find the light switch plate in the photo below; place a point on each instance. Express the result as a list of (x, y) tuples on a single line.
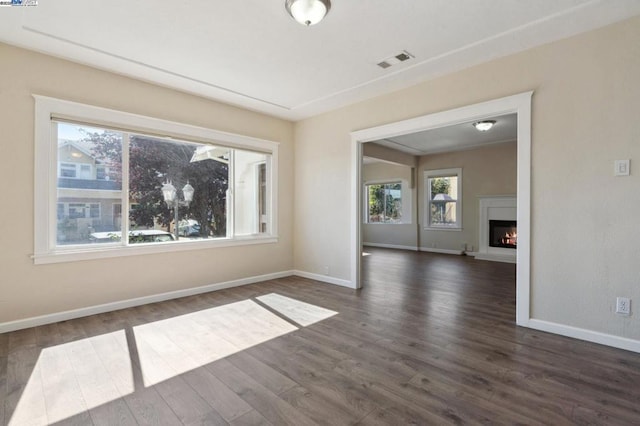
[(621, 168)]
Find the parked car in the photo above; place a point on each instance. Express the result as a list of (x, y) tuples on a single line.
[(137, 236), (189, 228)]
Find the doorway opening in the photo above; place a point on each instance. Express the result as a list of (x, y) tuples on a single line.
[(519, 104)]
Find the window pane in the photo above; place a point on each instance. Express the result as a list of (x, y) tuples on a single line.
[(443, 213), (444, 194), (156, 162), (376, 203), (250, 192), (393, 203), (81, 197), (444, 188), (384, 203)]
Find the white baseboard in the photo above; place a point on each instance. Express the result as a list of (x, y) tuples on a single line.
[(437, 250), (324, 278), (391, 246), (495, 258), (583, 334), (114, 306)]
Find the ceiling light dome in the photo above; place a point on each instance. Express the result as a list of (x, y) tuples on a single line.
[(484, 125), (308, 12)]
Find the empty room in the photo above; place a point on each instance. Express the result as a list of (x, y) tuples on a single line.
[(300, 212)]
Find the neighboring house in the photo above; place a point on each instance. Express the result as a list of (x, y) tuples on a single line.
[(89, 194)]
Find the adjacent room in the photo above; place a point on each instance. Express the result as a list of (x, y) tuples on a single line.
[(300, 212)]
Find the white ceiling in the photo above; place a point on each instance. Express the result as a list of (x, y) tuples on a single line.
[(252, 54), (454, 138)]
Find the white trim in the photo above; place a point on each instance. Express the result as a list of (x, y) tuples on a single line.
[(520, 104), (495, 257), (323, 278), (390, 246), (584, 334), (116, 250), (46, 167), (444, 251), (356, 210), (114, 306)]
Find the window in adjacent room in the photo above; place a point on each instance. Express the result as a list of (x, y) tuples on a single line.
[(443, 194), (384, 202)]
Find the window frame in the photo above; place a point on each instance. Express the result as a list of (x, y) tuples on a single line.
[(403, 194), (48, 109), (430, 174)]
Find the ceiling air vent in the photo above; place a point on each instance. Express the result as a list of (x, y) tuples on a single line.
[(395, 59)]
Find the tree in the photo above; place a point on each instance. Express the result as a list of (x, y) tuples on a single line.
[(152, 162), (440, 185), (382, 205)]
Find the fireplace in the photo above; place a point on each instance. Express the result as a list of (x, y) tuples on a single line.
[(503, 233)]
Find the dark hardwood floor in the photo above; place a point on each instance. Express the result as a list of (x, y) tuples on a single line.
[(431, 339)]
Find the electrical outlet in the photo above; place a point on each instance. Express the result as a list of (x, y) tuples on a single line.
[(623, 305), (325, 269), (621, 168)]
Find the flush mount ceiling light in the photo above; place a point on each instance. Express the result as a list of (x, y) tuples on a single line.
[(484, 125), (308, 12)]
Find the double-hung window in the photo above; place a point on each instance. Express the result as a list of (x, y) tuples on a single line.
[(145, 185), (443, 195)]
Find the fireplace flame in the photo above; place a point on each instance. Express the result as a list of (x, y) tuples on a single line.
[(510, 238)]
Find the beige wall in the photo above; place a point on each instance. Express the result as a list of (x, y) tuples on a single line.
[(400, 234), (585, 229), (27, 290), (489, 170), (374, 150)]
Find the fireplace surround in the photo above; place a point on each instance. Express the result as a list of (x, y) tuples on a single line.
[(502, 211)]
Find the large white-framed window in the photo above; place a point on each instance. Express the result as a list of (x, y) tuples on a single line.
[(443, 199), (233, 202)]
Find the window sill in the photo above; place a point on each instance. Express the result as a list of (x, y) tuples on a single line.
[(382, 223), (435, 228), (110, 251)]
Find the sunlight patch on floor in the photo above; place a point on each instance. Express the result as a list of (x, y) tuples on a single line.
[(301, 313), (72, 378), (174, 346)]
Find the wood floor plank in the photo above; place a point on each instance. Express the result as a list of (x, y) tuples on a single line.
[(272, 407), (252, 418), (24, 403), (220, 397), (97, 384), (307, 371), (62, 394), (186, 403), (262, 373), (4, 352), (149, 408), (3, 388)]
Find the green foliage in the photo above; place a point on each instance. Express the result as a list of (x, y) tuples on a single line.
[(440, 185), (152, 162), (383, 207)]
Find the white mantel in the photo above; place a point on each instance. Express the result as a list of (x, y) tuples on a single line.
[(498, 207)]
